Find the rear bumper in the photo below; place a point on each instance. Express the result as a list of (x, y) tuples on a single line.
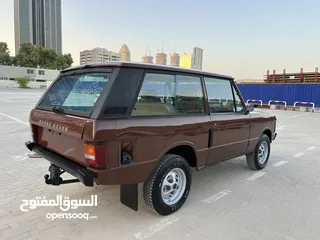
[(76, 170)]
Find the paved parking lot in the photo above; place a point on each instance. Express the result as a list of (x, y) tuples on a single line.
[(227, 201)]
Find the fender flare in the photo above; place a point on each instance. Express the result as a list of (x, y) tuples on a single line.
[(177, 144)]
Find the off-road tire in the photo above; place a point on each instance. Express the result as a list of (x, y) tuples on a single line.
[(152, 187), (252, 158)]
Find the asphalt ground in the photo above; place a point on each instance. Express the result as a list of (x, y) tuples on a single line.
[(227, 200)]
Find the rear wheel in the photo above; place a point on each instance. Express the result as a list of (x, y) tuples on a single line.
[(258, 159), (167, 188)]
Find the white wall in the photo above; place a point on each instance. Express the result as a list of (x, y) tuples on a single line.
[(37, 76), (8, 83), (14, 84), (48, 83)]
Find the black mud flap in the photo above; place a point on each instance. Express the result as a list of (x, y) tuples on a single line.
[(129, 195), (274, 136)]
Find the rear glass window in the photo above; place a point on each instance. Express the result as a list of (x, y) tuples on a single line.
[(168, 94), (76, 93)]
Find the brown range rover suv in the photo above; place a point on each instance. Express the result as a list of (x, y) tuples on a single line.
[(127, 123)]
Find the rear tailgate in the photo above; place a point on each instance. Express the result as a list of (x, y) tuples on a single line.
[(60, 133), (59, 119)]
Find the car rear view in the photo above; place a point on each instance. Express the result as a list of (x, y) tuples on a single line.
[(61, 118)]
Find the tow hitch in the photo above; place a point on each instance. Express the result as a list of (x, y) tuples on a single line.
[(54, 177), (60, 165)]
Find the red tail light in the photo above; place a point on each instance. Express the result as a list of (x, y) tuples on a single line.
[(95, 155)]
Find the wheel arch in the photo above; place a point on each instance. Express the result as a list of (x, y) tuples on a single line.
[(268, 132), (184, 149)]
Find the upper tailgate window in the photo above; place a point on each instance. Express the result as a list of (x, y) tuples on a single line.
[(76, 92)]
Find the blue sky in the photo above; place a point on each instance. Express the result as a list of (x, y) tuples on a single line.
[(239, 38)]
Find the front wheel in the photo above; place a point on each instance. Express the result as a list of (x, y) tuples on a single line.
[(167, 188), (258, 159)]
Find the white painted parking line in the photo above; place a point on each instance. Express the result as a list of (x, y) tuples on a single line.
[(217, 196), (300, 115), (311, 148), (256, 176), (156, 227), (25, 102), (20, 158), (279, 163), (13, 93), (22, 97), (6, 100), (13, 118), (298, 154)]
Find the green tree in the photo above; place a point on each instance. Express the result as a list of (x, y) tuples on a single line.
[(23, 82), (28, 56), (5, 58), (60, 62), (47, 58), (64, 61), (68, 59), (13, 61), (34, 56)]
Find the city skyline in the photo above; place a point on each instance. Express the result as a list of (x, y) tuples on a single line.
[(38, 22), (243, 43), (186, 60)]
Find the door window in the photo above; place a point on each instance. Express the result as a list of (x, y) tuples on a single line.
[(220, 95)]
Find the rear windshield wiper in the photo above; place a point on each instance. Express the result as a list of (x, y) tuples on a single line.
[(58, 109)]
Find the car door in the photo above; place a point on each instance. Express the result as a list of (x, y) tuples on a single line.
[(230, 123)]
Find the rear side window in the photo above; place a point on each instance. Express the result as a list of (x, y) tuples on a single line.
[(189, 95), (76, 93), (169, 94)]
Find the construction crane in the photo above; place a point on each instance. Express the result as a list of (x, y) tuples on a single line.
[(161, 50), (173, 50), (147, 58)]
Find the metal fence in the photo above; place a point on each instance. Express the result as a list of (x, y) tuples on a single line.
[(290, 93)]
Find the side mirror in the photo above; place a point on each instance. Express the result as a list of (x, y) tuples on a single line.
[(250, 108)]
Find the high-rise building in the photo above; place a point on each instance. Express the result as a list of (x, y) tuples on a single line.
[(161, 58), (147, 59), (125, 53), (98, 55), (186, 60), (197, 58), (175, 60), (38, 22)]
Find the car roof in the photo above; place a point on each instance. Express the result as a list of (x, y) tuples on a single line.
[(147, 66)]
